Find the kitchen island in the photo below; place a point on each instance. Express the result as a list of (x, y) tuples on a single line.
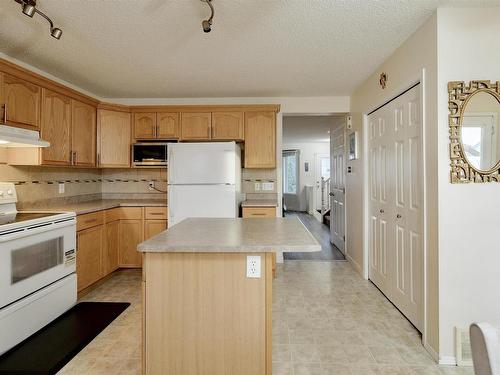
[(207, 294)]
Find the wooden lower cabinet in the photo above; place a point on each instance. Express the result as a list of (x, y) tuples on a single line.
[(154, 227), (202, 315), (107, 240), (112, 247), (89, 256), (131, 234), (259, 212)]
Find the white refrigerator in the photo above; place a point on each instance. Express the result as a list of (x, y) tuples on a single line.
[(204, 180)]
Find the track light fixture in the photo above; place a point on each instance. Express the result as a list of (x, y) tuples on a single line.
[(207, 24), (29, 9)]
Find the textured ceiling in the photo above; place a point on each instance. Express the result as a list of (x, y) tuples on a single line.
[(297, 129), (156, 48)]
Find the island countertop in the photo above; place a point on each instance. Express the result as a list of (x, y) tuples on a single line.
[(233, 235)]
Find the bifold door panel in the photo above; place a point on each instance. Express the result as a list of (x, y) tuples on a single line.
[(395, 203)]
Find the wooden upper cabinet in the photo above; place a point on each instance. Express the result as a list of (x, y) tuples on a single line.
[(145, 126), (196, 126), (227, 126), (113, 138), (83, 134), (56, 128), (167, 125), (21, 103), (260, 140)]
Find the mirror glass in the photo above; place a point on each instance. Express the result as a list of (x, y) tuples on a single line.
[(480, 131)]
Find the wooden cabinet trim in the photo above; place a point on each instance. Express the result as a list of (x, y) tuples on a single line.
[(259, 212), (39, 80), (228, 126), (196, 126), (155, 213), (89, 220), (83, 134), (145, 125), (24, 111)]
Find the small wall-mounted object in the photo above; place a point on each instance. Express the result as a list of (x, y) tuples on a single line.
[(306, 166), (474, 123), (383, 80), (349, 169), (349, 122), (353, 146)]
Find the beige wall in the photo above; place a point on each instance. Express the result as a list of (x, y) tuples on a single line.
[(469, 251), (403, 68)]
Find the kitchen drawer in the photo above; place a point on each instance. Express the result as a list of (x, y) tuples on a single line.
[(89, 220), (112, 214), (155, 213), (130, 213), (259, 212)]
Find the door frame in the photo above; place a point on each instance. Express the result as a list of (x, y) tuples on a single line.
[(412, 81), (317, 178)]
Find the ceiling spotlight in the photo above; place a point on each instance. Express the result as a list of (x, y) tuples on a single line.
[(29, 9), (56, 32), (207, 24)]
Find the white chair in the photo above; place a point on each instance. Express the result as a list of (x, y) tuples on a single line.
[(485, 342)]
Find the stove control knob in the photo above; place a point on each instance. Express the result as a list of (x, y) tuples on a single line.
[(9, 192)]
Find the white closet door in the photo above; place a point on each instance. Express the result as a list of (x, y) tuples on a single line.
[(396, 245)]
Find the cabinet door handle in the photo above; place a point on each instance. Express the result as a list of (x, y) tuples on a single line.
[(382, 211), (98, 159), (398, 216), (5, 113), (74, 158)]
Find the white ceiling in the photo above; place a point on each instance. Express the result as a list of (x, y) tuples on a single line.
[(156, 48), (299, 129)]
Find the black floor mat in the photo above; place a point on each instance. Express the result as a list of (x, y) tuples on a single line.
[(49, 349)]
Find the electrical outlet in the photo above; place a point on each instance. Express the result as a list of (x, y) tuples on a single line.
[(268, 186), (151, 186), (253, 266), (61, 187), (257, 186)]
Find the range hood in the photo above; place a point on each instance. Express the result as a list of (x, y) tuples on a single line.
[(16, 137)]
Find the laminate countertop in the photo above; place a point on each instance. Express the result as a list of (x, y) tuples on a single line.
[(233, 236), (81, 208)]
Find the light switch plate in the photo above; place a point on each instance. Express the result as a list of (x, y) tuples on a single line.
[(268, 186), (61, 187), (253, 266)]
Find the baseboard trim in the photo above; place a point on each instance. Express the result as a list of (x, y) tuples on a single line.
[(431, 351), (447, 361), (354, 264)]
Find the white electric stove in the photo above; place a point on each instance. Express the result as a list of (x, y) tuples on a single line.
[(37, 268)]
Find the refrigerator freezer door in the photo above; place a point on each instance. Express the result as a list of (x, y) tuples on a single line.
[(201, 201), (202, 163)]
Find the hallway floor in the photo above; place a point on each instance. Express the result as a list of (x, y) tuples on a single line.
[(322, 234), (326, 321)]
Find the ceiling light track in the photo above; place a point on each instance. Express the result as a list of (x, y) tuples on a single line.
[(29, 9), (207, 24)]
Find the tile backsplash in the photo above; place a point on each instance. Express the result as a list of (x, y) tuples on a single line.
[(35, 184), (253, 182)]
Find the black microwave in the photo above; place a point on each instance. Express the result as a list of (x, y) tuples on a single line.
[(150, 154)]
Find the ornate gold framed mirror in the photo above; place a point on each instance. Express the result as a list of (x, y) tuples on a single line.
[(474, 122)]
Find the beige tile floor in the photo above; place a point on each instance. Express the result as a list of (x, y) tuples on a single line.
[(326, 320)]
